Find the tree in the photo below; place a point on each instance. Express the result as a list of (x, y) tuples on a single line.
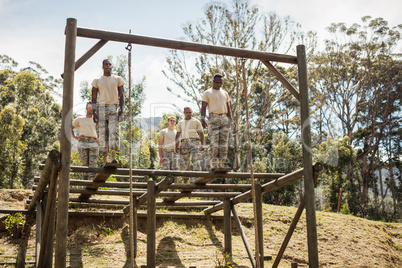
[(28, 95), (360, 78), (238, 25)]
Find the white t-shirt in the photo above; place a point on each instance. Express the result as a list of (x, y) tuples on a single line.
[(107, 85), (169, 137), (189, 128), (85, 126), (217, 100)]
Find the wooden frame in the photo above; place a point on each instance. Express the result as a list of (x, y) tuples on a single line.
[(70, 66)]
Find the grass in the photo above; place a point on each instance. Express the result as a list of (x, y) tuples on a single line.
[(343, 240)]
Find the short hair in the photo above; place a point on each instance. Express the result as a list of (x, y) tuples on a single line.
[(103, 62), (172, 117), (218, 76), (88, 103), (187, 108)]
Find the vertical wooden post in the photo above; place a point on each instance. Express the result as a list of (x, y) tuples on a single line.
[(307, 158), (227, 223), (65, 145), (40, 215), (259, 246), (151, 223), (46, 251), (135, 223)]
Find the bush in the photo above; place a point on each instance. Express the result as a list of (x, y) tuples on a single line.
[(14, 224)]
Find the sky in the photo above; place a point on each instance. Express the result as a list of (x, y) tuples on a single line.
[(33, 30)]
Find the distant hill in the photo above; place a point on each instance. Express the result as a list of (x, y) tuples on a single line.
[(148, 124)]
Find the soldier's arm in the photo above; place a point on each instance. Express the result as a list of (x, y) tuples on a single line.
[(177, 142), (94, 97), (160, 149), (203, 113), (121, 99)]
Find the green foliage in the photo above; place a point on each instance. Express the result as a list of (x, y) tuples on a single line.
[(14, 224), (30, 120), (345, 210), (222, 260), (335, 155), (105, 230)]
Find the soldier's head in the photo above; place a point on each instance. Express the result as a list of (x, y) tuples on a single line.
[(188, 113), (217, 82), (107, 67), (89, 109), (171, 122)]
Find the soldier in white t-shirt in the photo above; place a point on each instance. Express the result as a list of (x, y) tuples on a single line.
[(168, 157), (87, 140), (219, 121), (109, 88), (191, 136)]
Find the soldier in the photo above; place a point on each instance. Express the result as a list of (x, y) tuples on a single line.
[(219, 121), (190, 133), (110, 89), (87, 140), (168, 157)]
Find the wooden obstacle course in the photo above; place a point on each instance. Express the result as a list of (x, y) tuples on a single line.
[(72, 32), (228, 200)]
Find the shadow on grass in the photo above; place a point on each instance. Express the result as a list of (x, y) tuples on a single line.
[(166, 253), (125, 237)]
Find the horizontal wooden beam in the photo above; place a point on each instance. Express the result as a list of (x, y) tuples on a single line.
[(272, 185), (120, 214), (181, 173), (184, 45), (161, 194)]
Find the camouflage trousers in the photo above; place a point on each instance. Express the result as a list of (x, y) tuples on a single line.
[(170, 160), (190, 149), (218, 134), (108, 128), (89, 154)]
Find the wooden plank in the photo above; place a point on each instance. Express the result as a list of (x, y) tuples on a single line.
[(158, 203), (179, 173), (121, 214), (135, 226), (143, 185), (227, 226), (46, 251), (294, 222), (198, 182), (244, 238), (307, 158), (40, 215), (151, 224), (99, 178), (52, 158), (65, 144), (272, 185), (162, 185), (185, 45), (259, 238)]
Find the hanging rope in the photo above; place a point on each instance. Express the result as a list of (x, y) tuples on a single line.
[(130, 158), (250, 153)]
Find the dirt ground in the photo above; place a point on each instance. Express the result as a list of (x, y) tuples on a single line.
[(343, 241)]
